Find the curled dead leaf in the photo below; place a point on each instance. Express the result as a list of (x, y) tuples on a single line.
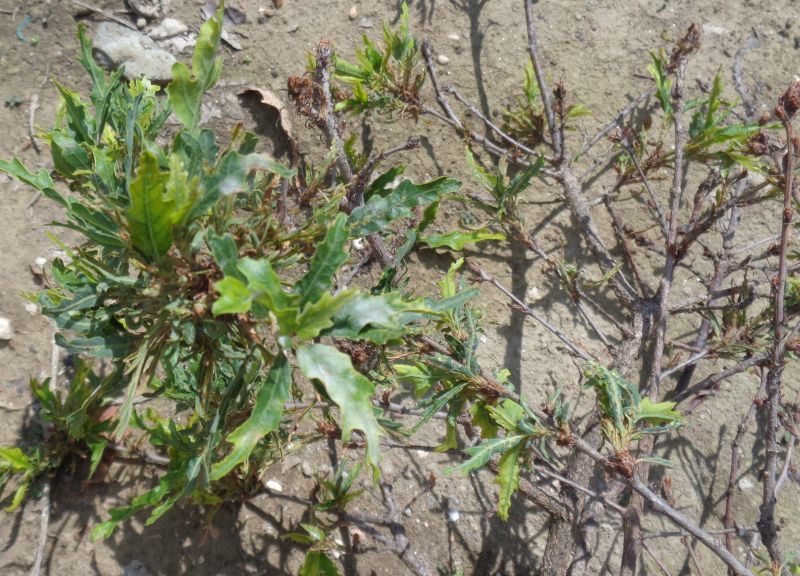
[(271, 115)]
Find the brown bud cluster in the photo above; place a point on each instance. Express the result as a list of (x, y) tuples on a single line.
[(789, 103), (686, 46), (762, 143)]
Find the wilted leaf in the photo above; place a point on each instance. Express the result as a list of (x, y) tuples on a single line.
[(275, 106)]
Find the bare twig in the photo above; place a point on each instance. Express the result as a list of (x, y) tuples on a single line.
[(496, 129), (787, 463), (787, 107), (727, 519), (34, 105), (43, 525), (333, 134), (356, 194), (661, 567), (147, 457), (555, 134), (101, 12), (655, 204), (484, 277), (693, 557), (55, 356), (591, 493), (323, 77), (615, 123)]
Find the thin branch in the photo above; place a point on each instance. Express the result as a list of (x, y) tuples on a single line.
[(323, 77), (615, 123), (333, 134), (484, 277), (580, 488), (727, 519), (34, 105), (147, 457), (356, 194), (555, 134), (766, 523), (427, 54), (693, 557), (787, 463), (656, 205), (55, 363), (713, 380), (496, 129), (109, 15), (43, 525), (646, 548)]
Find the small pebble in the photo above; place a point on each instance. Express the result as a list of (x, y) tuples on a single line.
[(353, 14), (273, 485), (32, 308), (293, 28), (453, 516), (38, 266), (454, 36), (306, 469), (141, 23), (278, 3), (442, 59), (6, 332), (533, 294)]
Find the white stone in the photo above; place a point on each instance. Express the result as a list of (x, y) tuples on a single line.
[(746, 485), (6, 332), (38, 266), (32, 308), (274, 485), (442, 59), (353, 14), (454, 36), (533, 294), (712, 29), (141, 23), (168, 28), (119, 46), (453, 516)]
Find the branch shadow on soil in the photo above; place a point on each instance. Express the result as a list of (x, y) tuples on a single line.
[(187, 539)]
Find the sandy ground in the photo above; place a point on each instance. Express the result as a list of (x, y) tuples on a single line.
[(599, 49)]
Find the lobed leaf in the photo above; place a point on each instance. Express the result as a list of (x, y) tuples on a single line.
[(458, 240), (348, 389), (265, 417), (151, 214)]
